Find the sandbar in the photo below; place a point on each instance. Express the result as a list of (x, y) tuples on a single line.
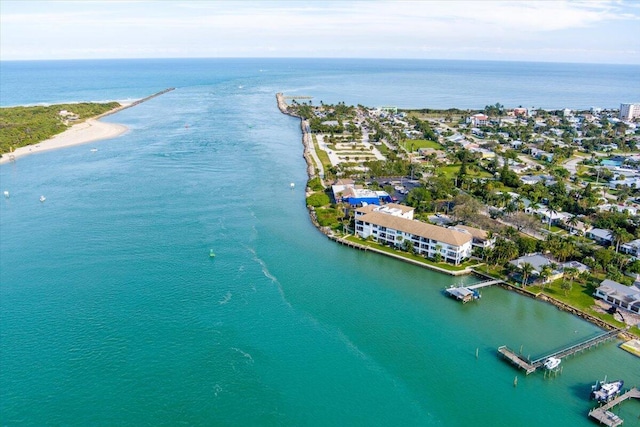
[(88, 131)]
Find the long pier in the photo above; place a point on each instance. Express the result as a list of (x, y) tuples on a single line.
[(485, 283), (530, 366), (608, 418)]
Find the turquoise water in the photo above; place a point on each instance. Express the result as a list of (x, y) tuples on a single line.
[(112, 312)]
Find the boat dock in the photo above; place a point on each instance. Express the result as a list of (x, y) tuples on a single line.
[(530, 366), (462, 293), (469, 293), (604, 416), (484, 284)]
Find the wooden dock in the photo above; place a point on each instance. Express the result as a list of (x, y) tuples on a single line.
[(484, 284), (469, 293), (604, 416), (530, 366), (516, 359)]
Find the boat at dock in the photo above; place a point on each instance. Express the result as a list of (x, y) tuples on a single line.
[(604, 391), (462, 293), (552, 363)]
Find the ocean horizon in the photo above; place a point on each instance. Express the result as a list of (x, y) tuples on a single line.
[(113, 313)]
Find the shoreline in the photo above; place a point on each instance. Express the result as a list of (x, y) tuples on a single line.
[(90, 130), (311, 171)]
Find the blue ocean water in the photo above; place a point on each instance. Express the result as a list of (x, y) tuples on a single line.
[(113, 313)]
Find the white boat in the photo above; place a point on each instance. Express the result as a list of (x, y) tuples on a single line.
[(552, 363), (6, 194), (42, 198), (604, 391)]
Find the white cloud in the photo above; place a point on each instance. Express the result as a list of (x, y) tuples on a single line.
[(360, 28)]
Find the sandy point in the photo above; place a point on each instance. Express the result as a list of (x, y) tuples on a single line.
[(88, 131)]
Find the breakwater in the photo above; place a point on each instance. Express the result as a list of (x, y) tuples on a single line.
[(133, 104), (307, 141)]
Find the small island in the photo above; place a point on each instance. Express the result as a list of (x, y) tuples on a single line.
[(543, 202)]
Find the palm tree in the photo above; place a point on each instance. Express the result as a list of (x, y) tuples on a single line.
[(545, 273), (551, 210), (620, 236), (510, 208), (569, 273), (526, 270), (572, 222)]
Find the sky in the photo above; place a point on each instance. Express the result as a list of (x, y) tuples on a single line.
[(595, 31)]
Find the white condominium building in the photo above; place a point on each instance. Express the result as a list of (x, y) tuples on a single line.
[(427, 239), (629, 111)]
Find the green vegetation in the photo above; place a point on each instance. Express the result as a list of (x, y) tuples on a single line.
[(416, 144), (318, 199), (328, 217), (22, 126), (315, 184), (322, 155)]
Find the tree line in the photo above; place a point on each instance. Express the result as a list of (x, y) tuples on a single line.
[(22, 126)]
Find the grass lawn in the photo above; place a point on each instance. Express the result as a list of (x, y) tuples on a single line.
[(397, 252), (580, 296), (416, 144), (451, 171), (383, 148), (322, 155)]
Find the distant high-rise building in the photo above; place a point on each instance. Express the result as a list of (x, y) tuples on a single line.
[(629, 111)]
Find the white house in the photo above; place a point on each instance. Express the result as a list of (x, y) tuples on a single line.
[(538, 262), (631, 210), (600, 236), (626, 297), (426, 239), (631, 248), (478, 119), (554, 217)]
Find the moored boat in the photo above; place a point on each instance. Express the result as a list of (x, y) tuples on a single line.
[(604, 391), (552, 363)]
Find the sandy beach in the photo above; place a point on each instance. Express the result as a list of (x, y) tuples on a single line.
[(88, 131)]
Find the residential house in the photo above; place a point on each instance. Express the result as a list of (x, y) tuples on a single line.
[(426, 239), (547, 216), (534, 179), (541, 155), (631, 210), (626, 297), (631, 248), (478, 120), (520, 112), (538, 262), (577, 265), (600, 236)]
